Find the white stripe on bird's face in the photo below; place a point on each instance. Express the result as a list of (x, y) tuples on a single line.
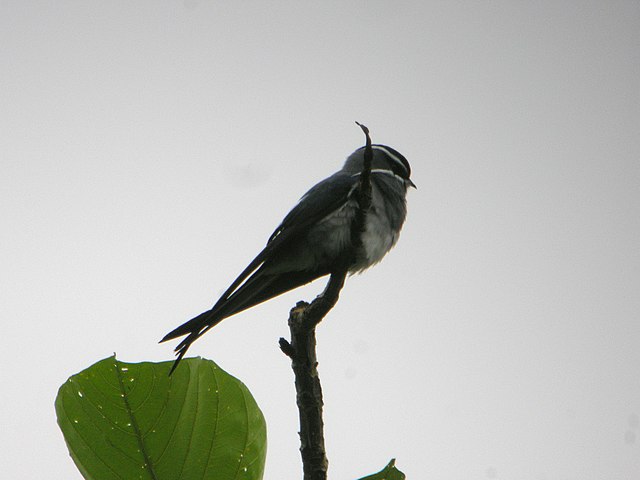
[(394, 158), (384, 171)]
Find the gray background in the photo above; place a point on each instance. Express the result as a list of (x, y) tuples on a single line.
[(149, 148)]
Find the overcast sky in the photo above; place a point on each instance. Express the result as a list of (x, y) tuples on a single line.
[(149, 148)]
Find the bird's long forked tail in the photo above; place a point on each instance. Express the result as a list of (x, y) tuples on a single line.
[(257, 289), (198, 325), (195, 324), (194, 328), (229, 304)]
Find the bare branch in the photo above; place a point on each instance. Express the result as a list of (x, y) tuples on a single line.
[(303, 319)]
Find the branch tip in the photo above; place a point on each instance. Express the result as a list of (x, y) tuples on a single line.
[(363, 127)]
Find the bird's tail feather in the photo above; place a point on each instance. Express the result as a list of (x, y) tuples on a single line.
[(193, 325), (257, 289), (194, 328)]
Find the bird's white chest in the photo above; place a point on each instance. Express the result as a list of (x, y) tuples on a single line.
[(377, 239), (332, 235)]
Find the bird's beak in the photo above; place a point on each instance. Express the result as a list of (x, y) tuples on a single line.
[(411, 184)]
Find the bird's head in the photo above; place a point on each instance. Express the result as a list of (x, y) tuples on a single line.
[(385, 160)]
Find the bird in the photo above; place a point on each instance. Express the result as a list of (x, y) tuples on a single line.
[(315, 237)]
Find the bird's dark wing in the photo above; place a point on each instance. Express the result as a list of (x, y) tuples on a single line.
[(321, 200), (255, 285)]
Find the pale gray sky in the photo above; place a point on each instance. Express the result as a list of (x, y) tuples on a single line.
[(149, 148)]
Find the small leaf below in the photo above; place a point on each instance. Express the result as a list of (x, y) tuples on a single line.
[(390, 472)]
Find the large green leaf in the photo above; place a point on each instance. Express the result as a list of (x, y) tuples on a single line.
[(390, 472), (131, 420)]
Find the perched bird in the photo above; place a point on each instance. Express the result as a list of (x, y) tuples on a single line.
[(314, 238)]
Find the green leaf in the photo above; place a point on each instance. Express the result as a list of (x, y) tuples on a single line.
[(133, 421), (390, 472)]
